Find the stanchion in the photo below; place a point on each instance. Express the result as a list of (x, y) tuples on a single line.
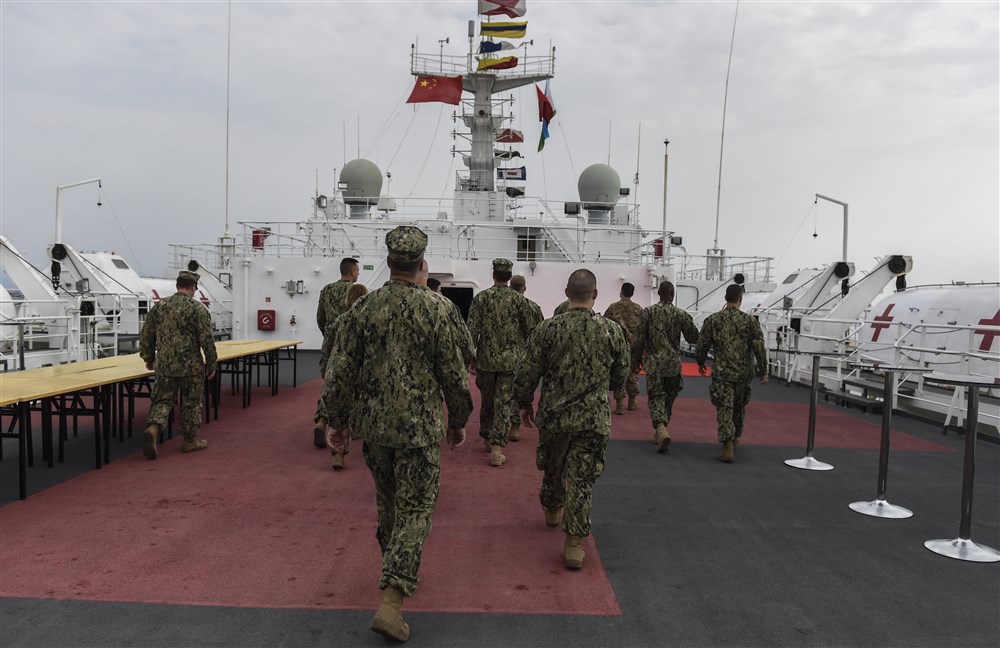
[(962, 547), (879, 507), (808, 462)]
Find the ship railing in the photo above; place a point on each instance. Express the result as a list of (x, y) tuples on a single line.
[(912, 346), (695, 267), (464, 64)]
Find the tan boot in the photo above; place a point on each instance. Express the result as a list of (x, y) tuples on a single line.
[(338, 461), (319, 433), (662, 438), (515, 432), (496, 456), (149, 436), (553, 516), (618, 406), (388, 620), (631, 403), (194, 445), (573, 553), (727, 452)]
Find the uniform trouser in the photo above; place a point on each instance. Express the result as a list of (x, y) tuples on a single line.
[(165, 390), (631, 387), (730, 400), (407, 481), (572, 462), (320, 407), (662, 392), (497, 391)]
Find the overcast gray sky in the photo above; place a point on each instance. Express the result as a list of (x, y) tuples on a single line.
[(891, 107)]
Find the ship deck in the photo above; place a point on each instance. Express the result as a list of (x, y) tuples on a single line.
[(256, 542)]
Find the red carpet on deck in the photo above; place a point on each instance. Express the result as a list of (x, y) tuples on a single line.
[(260, 520)]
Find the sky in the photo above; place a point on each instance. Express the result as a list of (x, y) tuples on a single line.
[(891, 107)]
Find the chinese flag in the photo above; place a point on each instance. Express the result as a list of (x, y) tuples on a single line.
[(435, 88)]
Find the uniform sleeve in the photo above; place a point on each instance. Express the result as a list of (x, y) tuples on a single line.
[(342, 370), (147, 336), (321, 310), (462, 336), (453, 376), (689, 330), (207, 341), (619, 358), (757, 344), (642, 333), (476, 319), (705, 339), (530, 370)]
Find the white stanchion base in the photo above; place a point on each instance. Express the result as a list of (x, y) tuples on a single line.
[(808, 463), (882, 509), (964, 550)]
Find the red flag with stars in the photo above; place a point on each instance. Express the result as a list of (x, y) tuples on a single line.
[(434, 88)]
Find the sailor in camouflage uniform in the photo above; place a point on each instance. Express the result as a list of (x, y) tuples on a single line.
[(520, 285), (331, 306), (176, 332), (500, 321), (736, 339), (578, 356), (627, 313), (397, 358), (561, 308), (659, 339)]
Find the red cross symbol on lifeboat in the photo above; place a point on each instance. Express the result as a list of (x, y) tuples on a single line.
[(881, 322), (988, 334)]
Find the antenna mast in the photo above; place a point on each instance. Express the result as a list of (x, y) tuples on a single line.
[(229, 38), (725, 100)]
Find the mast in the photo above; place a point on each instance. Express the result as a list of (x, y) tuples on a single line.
[(483, 115)]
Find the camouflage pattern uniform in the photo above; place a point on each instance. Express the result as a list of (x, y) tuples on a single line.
[(396, 358), (330, 308), (561, 308), (537, 317), (500, 322), (175, 333), (466, 346), (628, 313), (659, 339), (736, 338), (579, 356)]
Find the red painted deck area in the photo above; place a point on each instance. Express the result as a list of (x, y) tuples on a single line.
[(260, 520)]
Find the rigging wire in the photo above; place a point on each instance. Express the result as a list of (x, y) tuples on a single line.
[(402, 140), (722, 141), (393, 115), (792, 239), (429, 150), (135, 256), (229, 33)]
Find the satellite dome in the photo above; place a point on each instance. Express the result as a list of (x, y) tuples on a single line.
[(599, 183), (364, 181)]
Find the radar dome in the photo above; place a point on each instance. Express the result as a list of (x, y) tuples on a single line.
[(364, 181), (599, 183)]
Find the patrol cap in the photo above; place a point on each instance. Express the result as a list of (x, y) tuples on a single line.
[(503, 265), (186, 275), (406, 244)]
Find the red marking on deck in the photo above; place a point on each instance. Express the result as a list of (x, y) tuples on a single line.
[(988, 334), (260, 520), (881, 322)]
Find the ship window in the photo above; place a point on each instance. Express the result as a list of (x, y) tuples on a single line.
[(120, 263), (790, 278), (527, 247)]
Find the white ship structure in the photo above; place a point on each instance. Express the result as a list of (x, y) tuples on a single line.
[(264, 280)]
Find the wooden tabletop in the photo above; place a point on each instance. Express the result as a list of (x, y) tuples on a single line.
[(44, 382)]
